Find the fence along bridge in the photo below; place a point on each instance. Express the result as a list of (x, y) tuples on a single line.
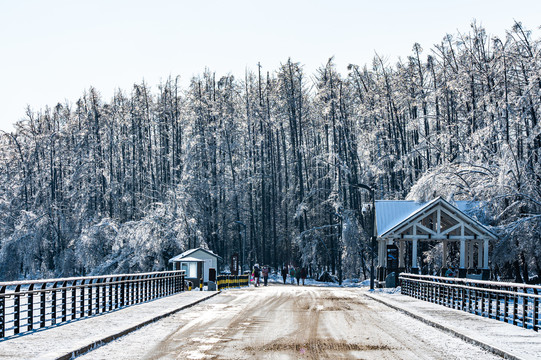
[(513, 303), (27, 306)]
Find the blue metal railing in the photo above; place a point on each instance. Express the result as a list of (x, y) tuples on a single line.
[(514, 303), (26, 306)]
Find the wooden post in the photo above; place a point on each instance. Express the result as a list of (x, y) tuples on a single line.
[(479, 255), (444, 256), (414, 251), (470, 254), (462, 270)]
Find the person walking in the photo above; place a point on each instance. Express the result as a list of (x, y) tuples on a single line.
[(284, 273), (304, 272), (298, 274), (256, 274), (292, 275), (265, 273)]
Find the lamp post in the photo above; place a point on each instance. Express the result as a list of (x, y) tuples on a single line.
[(243, 244), (339, 216), (373, 236)]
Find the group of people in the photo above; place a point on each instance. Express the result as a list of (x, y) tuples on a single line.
[(257, 273), (295, 273)]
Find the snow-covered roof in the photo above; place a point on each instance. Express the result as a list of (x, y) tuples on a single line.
[(186, 259), (390, 213), (187, 253)]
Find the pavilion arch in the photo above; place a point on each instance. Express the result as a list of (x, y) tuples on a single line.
[(406, 223)]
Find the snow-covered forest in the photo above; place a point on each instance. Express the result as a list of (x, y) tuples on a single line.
[(123, 184)]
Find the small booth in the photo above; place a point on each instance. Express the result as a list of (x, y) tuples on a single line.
[(198, 263), (402, 225)]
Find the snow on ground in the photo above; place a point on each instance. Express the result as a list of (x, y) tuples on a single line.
[(282, 322), (289, 322), (57, 341), (514, 340)]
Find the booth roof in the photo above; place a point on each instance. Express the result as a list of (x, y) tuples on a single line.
[(186, 259), (186, 253)]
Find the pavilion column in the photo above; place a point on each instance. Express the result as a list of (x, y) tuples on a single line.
[(462, 269), (401, 251), (486, 270), (485, 254), (414, 265), (470, 254), (381, 254), (479, 256), (444, 255)]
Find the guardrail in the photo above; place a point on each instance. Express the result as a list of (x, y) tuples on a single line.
[(26, 306), (514, 303), (232, 281)]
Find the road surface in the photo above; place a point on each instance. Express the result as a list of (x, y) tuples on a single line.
[(289, 322)]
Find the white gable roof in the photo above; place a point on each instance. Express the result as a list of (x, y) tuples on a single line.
[(391, 213), (187, 253)]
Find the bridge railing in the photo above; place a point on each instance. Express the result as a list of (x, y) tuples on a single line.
[(26, 306), (514, 303), (232, 281)]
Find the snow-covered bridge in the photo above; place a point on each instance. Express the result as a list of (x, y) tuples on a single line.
[(281, 321)]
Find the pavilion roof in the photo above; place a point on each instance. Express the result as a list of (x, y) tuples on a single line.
[(393, 214)]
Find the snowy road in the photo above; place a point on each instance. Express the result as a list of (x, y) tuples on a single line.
[(289, 322)]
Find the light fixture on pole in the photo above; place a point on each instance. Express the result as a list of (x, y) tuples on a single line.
[(373, 236)]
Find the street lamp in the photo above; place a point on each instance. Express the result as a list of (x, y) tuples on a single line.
[(243, 245), (373, 237)]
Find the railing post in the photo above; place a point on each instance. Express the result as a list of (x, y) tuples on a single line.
[(535, 311), (73, 299), (524, 309), (53, 303), (136, 286), (506, 308), (515, 306), (42, 305), (182, 282), (482, 302), (82, 298), (2, 311), (90, 296), (30, 308), (489, 305), (111, 292), (129, 288), (64, 301), (122, 291), (16, 309), (103, 294)]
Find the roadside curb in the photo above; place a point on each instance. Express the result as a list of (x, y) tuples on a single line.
[(492, 349), (108, 339)]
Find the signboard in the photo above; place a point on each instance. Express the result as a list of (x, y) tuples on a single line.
[(234, 264), (392, 257)]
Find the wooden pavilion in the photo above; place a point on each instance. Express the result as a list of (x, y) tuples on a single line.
[(401, 225)]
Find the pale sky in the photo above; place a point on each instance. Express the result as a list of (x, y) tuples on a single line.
[(51, 51)]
